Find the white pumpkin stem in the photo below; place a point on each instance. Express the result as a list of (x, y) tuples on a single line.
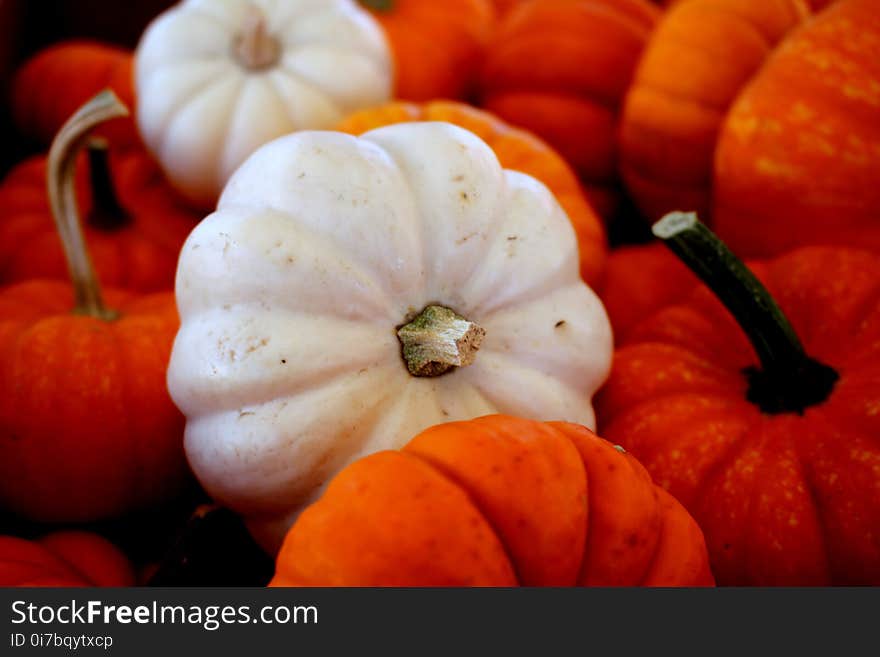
[(254, 47), (60, 180), (438, 340)]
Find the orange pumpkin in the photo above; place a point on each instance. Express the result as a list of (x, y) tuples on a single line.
[(640, 280), (63, 558), (771, 443), (517, 150), (699, 58), (52, 84), (560, 68), (134, 224), (437, 46), (798, 159), (87, 429), (496, 501)]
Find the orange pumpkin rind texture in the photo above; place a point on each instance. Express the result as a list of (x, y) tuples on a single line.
[(783, 498), (496, 501)]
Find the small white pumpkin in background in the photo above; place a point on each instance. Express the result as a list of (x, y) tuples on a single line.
[(288, 364), (216, 79)]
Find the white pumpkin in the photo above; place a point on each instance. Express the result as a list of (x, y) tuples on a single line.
[(288, 364), (216, 79)]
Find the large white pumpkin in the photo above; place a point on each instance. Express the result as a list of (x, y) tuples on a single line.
[(216, 79), (288, 363)]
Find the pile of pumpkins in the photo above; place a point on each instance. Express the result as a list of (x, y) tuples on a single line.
[(346, 264)]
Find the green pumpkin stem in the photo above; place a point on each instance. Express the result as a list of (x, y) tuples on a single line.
[(788, 380), (438, 340), (61, 170), (107, 212)]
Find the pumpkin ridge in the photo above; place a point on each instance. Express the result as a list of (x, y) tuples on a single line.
[(451, 477)]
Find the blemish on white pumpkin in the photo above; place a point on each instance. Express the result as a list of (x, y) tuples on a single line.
[(458, 178), (242, 414), (464, 239), (559, 324)]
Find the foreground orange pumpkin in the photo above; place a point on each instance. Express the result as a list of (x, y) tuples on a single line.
[(777, 457), (701, 55), (63, 558), (133, 222), (437, 46), (798, 160), (496, 501), (517, 150), (560, 68), (52, 84), (87, 429)]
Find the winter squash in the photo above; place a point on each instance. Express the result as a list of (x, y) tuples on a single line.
[(63, 558), (517, 150), (54, 83), (798, 159), (350, 292), (438, 46), (699, 58), (776, 457), (215, 81), (639, 280), (495, 501), (87, 430), (561, 68), (133, 222)]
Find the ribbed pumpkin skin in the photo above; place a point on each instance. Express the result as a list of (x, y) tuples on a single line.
[(55, 82), (437, 46), (517, 150), (798, 159), (783, 499), (63, 558), (701, 55), (87, 428), (560, 68), (141, 255), (496, 501), (640, 280)]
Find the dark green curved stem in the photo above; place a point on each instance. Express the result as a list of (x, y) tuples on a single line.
[(788, 379), (378, 5)]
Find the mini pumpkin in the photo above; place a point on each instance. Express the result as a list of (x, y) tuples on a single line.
[(437, 47), (87, 430), (699, 58), (495, 501), (217, 80), (50, 86), (798, 159), (133, 223), (350, 292), (776, 457), (63, 558), (517, 150), (561, 68)]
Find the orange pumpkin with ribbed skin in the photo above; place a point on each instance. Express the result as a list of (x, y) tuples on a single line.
[(63, 558), (495, 501), (87, 427), (786, 495), (560, 68), (52, 84), (701, 55), (437, 46), (798, 159), (640, 280), (134, 233), (517, 150)]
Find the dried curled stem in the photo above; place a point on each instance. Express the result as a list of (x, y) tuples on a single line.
[(60, 180)]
